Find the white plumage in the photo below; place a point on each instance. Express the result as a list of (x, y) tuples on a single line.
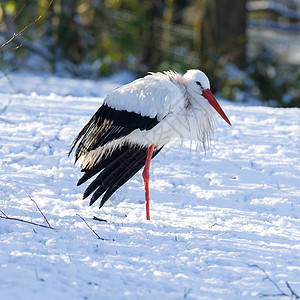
[(149, 111), (156, 94)]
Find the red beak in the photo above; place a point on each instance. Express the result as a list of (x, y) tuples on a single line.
[(207, 94)]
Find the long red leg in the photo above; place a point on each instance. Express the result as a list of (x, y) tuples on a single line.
[(146, 178)]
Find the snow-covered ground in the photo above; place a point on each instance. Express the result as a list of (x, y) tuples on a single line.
[(218, 218)]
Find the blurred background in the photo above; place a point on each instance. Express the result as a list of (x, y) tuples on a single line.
[(250, 50)]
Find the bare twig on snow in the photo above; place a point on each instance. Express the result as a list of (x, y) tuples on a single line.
[(292, 296), (40, 211), (99, 219), (100, 238), (5, 216)]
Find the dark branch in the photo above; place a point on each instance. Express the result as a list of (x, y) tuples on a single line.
[(26, 27), (11, 49), (24, 221), (33, 46), (99, 219), (293, 295), (40, 211), (5, 216), (100, 238)]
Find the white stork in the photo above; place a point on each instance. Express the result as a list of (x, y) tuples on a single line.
[(136, 121)]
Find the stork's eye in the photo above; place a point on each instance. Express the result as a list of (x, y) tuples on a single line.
[(198, 82)]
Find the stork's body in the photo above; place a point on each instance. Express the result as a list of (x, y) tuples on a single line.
[(135, 121)]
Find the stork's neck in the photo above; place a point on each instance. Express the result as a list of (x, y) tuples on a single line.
[(178, 80)]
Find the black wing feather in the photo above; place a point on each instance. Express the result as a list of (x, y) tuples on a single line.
[(126, 169), (121, 180), (118, 166), (101, 165), (109, 124), (107, 172), (126, 176), (110, 175)]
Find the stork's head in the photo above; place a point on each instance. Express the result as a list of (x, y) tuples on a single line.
[(198, 87)]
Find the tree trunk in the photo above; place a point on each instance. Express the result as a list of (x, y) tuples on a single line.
[(231, 30), (150, 49)]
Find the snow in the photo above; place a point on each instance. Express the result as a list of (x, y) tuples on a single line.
[(275, 7), (218, 218)]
